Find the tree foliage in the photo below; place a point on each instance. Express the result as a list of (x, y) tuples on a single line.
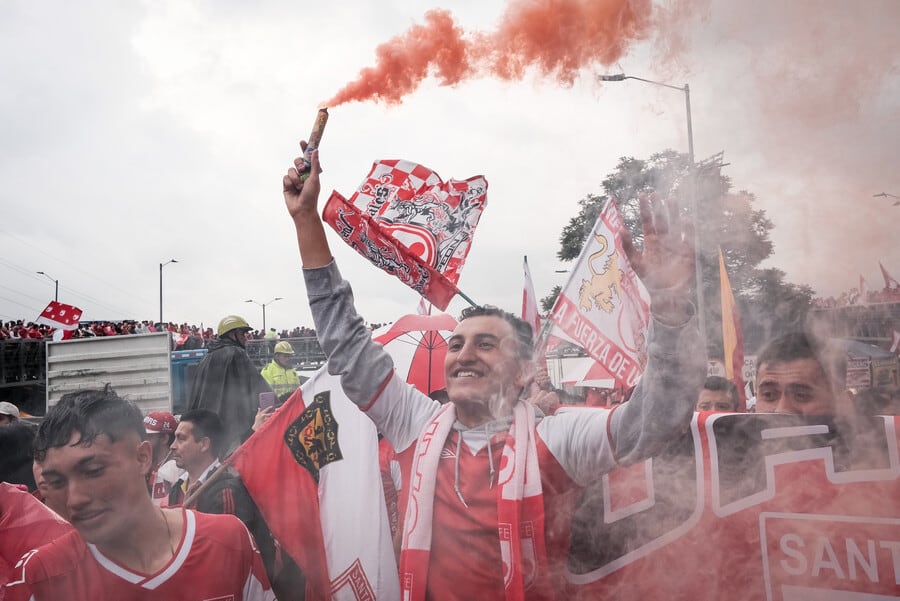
[(727, 219)]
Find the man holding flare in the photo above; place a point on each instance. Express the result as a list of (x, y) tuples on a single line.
[(492, 481)]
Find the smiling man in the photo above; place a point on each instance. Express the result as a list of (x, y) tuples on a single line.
[(487, 512), (94, 456)]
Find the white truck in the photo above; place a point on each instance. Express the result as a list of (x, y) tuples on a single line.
[(139, 368)]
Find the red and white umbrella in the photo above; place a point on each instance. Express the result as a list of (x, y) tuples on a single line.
[(418, 345)]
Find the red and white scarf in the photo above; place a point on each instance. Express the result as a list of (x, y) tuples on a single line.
[(520, 506)]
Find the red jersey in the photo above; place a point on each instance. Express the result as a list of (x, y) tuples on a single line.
[(216, 560), (470, 531), (25, 524)]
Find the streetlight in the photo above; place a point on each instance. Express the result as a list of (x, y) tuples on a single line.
[(56, 282), (882, 194), (264, 305), (698, 272), (161, 265)]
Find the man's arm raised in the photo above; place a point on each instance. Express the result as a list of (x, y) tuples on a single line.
[(362, 365), (663, 402)]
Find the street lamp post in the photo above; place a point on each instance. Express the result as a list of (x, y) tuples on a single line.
[(55, 282), (264, 305), (692, 196), (161, 265)]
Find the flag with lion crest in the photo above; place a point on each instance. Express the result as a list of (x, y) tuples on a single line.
[(604, 308)]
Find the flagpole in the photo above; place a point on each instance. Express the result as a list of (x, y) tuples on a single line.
[(466, 298), (191, 499)]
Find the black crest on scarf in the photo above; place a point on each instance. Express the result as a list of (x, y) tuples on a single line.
[(313, 436)]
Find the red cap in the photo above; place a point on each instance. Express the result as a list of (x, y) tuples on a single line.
[(159, 422)]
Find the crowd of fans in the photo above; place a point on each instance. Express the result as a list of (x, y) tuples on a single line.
[(856, 297), (22, 330)]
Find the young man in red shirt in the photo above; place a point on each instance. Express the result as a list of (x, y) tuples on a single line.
[(93, 455)]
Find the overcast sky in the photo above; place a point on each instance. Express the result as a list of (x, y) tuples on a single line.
[(132, 133)]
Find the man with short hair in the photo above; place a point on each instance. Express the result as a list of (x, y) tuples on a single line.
[(160, 427), (93, 455), (280, 373), (196, 450), (719, 395), (227, 383), (487, 511), (800, 374), (9, 413)]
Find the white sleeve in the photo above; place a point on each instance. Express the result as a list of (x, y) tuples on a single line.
[(578, 439), (589, 442), (400, 411)]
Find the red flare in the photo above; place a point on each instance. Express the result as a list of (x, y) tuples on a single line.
[(556, 37), (407, 59)]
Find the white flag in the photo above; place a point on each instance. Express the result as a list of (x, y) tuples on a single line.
[(355, 528), (604, 307), (530, 313)]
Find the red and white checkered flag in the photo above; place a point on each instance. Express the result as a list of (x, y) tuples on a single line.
[(406, 220)]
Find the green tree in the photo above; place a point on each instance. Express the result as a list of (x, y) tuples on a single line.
[(728, 221)]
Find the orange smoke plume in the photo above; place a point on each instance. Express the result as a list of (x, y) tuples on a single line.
[(556, 37)]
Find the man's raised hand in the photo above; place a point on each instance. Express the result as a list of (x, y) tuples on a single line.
[(302, 195), (666, 262)]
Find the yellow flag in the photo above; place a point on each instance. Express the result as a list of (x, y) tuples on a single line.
[(732, 338)]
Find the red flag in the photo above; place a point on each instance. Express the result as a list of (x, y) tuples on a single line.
[(60, 316), (312, 470), (277, 482), (411, 224), (732, 335), (529, 303), (889, 281)]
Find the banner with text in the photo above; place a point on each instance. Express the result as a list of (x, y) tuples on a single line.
[(747, 507), (604, 307)]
